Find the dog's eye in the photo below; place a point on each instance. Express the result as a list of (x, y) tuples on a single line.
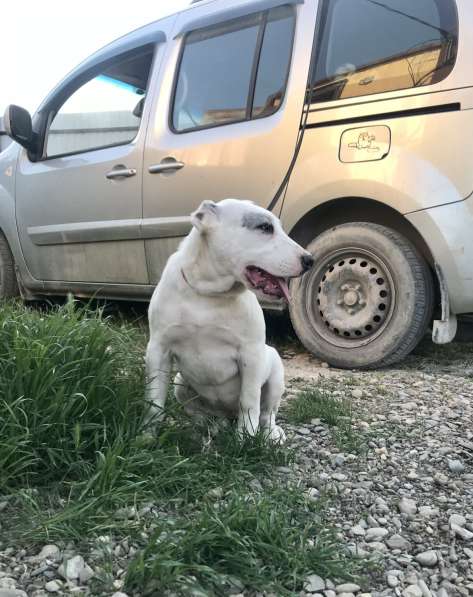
[(266, 228)]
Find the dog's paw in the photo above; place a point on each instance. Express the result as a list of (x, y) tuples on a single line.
[(276, 434)]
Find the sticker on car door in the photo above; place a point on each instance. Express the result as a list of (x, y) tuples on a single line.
[(367, 144)]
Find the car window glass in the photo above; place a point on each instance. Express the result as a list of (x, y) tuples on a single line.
[(274, 61), (105, 111), (374, 46), (215, 75)]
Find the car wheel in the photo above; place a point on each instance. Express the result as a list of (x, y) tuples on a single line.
[(8, 281), (368, 300)]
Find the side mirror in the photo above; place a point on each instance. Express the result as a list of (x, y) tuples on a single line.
[(18, 126)]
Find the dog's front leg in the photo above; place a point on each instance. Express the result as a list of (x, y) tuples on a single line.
[(250, 393), (158, 375)]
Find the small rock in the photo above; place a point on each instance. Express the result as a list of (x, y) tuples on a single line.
[(393, 581), (348, 587), (71, 569), (85, 574), (119, 594), (424, 588), (456, 466), (339, 477), (412, 591), (314, 583), (408, 506), (51, 552), (376, 533), (53, 586), (12, 593), (358, 531), (428, 559), (461, 532), (457, 519), (398, 542), (357, 394), (428, 511), (216, 493), (440, 479)]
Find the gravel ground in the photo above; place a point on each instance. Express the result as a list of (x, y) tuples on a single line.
[(407, 498), (400, 487)]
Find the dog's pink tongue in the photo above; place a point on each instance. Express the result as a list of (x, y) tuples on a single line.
[(284, 289)]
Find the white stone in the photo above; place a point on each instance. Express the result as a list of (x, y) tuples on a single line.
[(358, 531), (456, 466), (407, 506), (428, 511), (398, 542), (412, 591), (357, 394), (348, 587), (51, 552), (119, 594), (314, 583), (457, 519), (376, 533), (53, 586), (424, 588), (71, 569), (86, 574), (461, 532), (12, 593), (427, 558), (393, 581)]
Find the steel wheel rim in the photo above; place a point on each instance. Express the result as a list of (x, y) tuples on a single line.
[(350, 297)]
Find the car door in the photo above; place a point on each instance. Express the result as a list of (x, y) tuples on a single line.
[(79, 208), (227, 118)]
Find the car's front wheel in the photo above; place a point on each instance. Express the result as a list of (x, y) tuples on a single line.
[(368, 300)]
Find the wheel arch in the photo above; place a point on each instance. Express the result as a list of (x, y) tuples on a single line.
[(360, 209)]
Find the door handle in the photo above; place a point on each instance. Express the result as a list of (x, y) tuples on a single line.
[(167, 165), (121, 172)]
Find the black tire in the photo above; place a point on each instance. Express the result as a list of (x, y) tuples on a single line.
[(8, 281), (368, 300)]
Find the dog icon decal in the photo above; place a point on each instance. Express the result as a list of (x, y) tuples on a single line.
[(365, 142)]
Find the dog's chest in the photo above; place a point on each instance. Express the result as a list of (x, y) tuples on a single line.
[(206, 356)]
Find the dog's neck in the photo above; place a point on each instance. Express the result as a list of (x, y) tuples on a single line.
[(201, 272)]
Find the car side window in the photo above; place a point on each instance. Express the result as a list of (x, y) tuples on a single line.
[(234, 71), (375, 46), (103, 112)]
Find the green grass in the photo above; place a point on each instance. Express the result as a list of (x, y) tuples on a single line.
[(314, 403), (267, 543), (75, 451)]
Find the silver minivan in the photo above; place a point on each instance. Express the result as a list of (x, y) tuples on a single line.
[(351, 120)]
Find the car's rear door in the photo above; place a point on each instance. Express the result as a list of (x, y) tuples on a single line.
[(227, 118)]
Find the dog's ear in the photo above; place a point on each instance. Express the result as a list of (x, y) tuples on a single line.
[(206, 216)]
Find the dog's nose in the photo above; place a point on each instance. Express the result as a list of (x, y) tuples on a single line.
[(307, 262)]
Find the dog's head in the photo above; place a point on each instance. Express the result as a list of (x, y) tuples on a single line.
[(249, 243)]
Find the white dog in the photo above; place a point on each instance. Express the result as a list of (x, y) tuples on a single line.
[(205, 317)]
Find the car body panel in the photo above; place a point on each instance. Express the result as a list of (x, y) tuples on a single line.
[(448, 231)]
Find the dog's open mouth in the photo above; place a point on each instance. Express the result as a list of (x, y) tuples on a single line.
[(270, 285)]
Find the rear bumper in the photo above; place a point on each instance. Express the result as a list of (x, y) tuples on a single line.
[(448, 231)]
